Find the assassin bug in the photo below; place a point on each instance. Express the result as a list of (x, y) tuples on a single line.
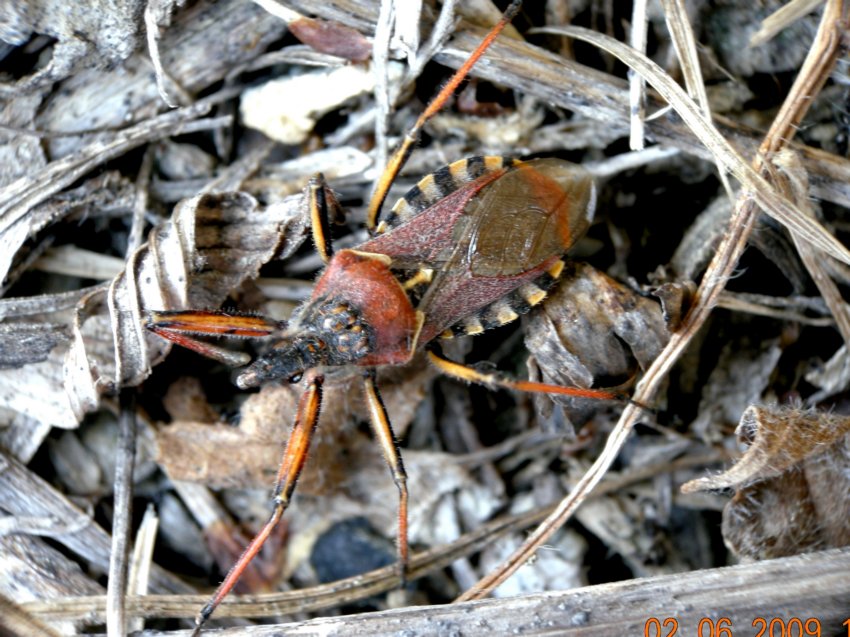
[(471, 246)]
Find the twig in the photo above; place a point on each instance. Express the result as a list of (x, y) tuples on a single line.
[(637, 85), (781, 18), (125, 460), (812, 587)]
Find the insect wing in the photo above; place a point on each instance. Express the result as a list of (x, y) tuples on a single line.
[(534, 212), (512, 234), (423, 226)]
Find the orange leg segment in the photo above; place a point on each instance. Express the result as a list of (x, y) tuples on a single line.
[(293, 461), (470, 375), (324, 207), (389, 445), (400, 157)]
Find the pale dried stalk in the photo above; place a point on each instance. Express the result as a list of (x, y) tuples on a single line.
[(387, 94), (789, 167), (782, 18), (813, 74), (125, 461), (818, 589), (138, 579), (685, 45), (637, 85), (380, 62)]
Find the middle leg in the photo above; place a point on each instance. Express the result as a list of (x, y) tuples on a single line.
[(389, 445)]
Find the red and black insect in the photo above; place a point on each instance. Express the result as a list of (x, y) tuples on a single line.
[(472, 246)]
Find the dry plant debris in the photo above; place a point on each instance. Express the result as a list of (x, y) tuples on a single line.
[(154, 156)]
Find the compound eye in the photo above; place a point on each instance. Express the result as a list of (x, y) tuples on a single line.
[(296, 378)]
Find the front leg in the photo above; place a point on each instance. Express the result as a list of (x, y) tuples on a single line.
[(294, 457), (181, 327)]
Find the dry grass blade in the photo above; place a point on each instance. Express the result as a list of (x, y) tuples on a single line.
[(637, 85), (777, 307), (789, 172), (725, 154), (685, 44), (781, 18)]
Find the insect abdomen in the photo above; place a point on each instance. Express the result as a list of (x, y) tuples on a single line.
[(510, 307)]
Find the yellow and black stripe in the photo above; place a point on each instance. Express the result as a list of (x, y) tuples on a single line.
[(440, 184), (510, 307), (415, 282)]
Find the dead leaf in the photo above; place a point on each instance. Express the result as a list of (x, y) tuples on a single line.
[(328, 36), (792, 484), (196, 452), (36, 392), (20, 155), (185, 401), (742, 374), (22, 228), (779, 439), (593, 332), (675, 300), (223, 456)]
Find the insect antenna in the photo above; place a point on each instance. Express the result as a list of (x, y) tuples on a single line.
[(401, 155)]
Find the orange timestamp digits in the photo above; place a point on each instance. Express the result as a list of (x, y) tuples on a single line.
[(779, 627), (655, 627), (722, 627)]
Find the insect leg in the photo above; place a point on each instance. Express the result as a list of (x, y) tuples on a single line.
[(401, 155), (323, 206), (180, 327), (471, 375), (294, 457), (389, 445)]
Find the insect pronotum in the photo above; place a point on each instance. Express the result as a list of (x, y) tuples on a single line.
[(472, 246)]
